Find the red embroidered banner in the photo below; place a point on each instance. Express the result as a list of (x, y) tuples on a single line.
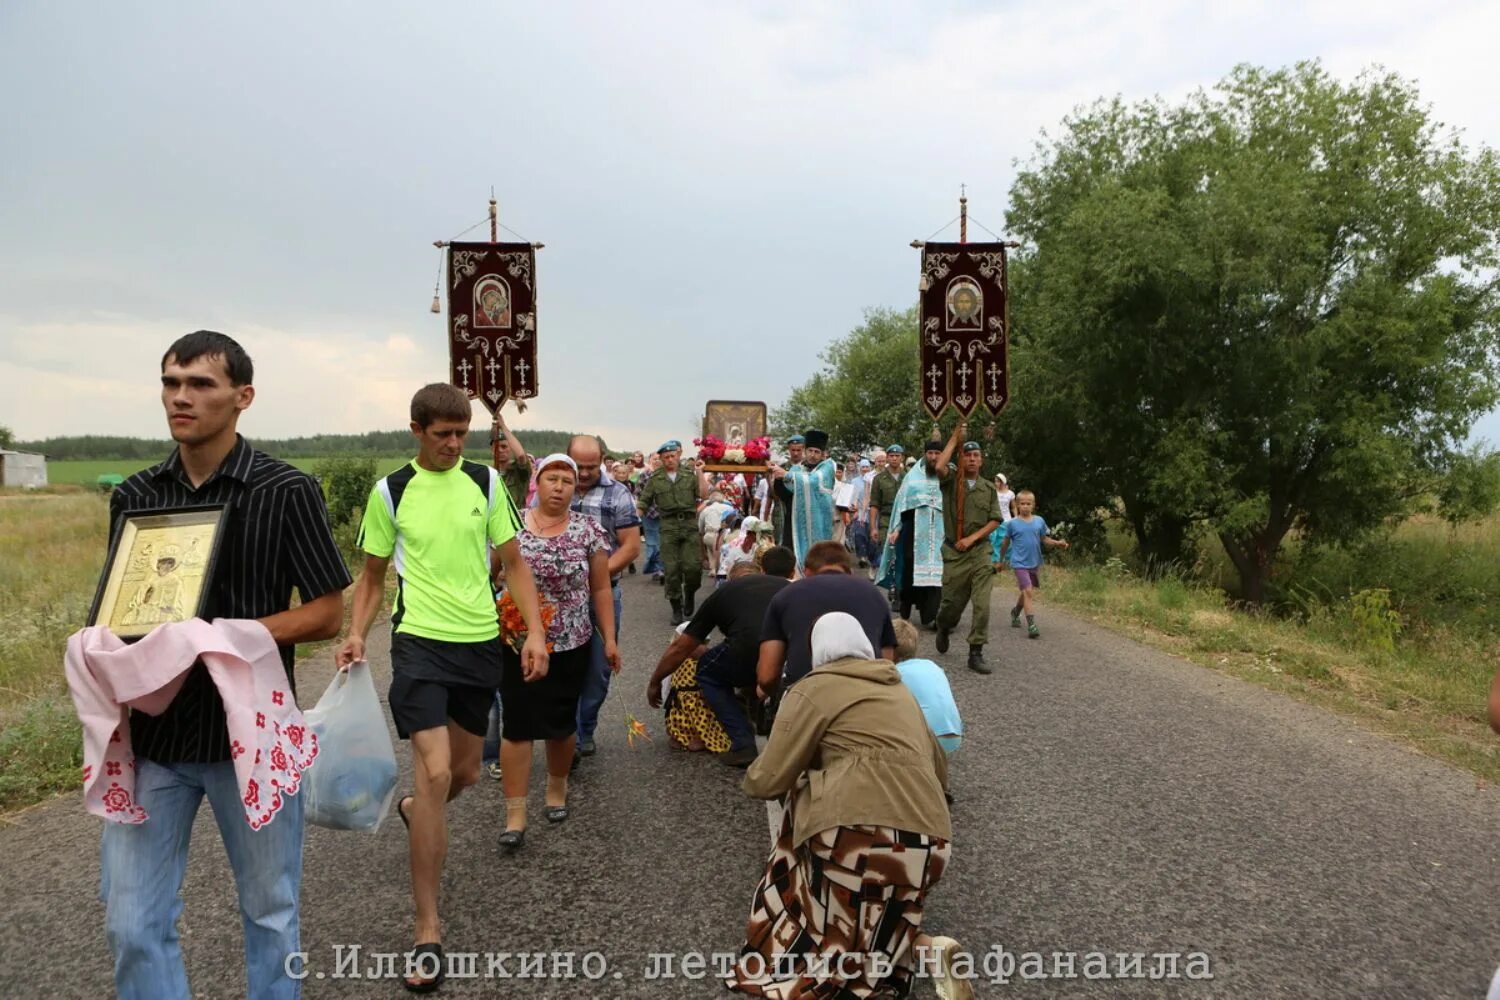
[(492, 321), (964, 327)]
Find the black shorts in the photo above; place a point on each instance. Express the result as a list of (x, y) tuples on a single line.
[(422, 704)]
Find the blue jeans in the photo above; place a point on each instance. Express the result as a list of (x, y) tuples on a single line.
[(596, 680), (651, 532), (719, 673), (141, 872)]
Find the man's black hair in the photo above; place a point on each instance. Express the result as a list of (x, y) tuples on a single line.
[(779, 561), (208, 343)]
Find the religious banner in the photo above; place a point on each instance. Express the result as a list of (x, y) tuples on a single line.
[(492, 321), (964, 327)]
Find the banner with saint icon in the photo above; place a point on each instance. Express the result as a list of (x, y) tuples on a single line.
[(492, 321), (964, 327)]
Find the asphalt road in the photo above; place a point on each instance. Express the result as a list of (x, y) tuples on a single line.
[(1110, 799)]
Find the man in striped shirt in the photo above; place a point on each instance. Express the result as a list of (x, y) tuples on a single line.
[(276, 538)]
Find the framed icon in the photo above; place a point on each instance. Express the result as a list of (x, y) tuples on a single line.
[(158, 569), (736, 422)]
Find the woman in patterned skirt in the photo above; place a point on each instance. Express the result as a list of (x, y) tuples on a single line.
[(864, 836), (568, 554)]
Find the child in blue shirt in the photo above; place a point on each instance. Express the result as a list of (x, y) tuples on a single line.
[(1025, 537), (929, 685)]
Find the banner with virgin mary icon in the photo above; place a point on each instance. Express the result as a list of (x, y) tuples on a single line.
[(492, 321), (964, 327)]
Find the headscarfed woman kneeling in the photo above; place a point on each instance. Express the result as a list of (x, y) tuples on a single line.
[(864, 836)]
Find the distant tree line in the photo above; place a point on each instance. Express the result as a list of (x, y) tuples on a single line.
[(374, 444)]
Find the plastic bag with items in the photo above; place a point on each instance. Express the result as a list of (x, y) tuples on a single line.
[(350, 785)]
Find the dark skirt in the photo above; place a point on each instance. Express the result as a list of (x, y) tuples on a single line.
[(545, 709), (849, 891)]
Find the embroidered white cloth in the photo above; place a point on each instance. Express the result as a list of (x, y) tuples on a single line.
[(270, 743)]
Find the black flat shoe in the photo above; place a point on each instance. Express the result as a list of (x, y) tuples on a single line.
[(405, 819), (511, 840), (555, 814), (415, 961)]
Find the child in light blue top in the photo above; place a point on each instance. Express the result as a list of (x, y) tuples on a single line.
[(1025, 536), (929, 685)]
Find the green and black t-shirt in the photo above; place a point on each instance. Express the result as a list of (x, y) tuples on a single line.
[(437, 528)]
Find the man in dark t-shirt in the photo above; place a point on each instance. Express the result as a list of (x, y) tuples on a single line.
[(786, 634), (736, 609)]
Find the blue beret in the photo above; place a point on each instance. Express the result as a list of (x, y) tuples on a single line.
[(670, 446), (971, 446), (895, 449), (796, 439)]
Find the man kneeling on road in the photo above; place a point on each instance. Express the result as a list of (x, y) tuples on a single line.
[(450, 527), (738, 610), (829, 585)]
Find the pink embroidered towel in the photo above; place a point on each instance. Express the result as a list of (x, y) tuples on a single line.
[(269, 742)]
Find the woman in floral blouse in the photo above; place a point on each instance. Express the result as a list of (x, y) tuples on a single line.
[(569, 557)]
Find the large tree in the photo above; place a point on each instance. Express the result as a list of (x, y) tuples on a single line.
[(1272, 306), (6, 437)]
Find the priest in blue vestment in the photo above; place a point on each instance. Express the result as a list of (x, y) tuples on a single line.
[(811, 485)]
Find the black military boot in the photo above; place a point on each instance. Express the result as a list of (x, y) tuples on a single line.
[(942, 639), (677, 618), (687, 606), (976, 661)]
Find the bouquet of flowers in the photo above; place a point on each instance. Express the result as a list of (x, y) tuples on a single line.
[(513, 623), (758, 450), (710, 448)]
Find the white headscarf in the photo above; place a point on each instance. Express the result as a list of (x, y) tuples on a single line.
[(836, 636)]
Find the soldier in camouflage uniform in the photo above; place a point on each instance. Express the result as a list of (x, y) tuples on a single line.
[(675, 493), (971, 510)]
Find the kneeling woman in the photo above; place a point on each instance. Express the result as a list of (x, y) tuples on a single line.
[(568, 555), (863, 838)]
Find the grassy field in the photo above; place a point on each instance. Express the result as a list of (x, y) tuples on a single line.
[(86, 473), (51, 550)]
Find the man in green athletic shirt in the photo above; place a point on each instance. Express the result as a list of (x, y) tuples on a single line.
[(448, 526)]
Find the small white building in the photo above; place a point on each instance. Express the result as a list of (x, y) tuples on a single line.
[(23, 469)]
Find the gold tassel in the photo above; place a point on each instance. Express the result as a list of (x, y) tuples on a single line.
[(437, 306)]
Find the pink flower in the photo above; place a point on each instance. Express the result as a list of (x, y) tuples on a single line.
[(278, 758), (252, 794), (294, 734)]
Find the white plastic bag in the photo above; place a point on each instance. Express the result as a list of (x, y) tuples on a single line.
[(350, 785)]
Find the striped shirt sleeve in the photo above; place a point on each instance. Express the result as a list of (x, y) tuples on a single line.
[(313, 557)]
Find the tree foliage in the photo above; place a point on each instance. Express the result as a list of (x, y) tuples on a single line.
[(1269, 307), (7, 439), (1471, 489)]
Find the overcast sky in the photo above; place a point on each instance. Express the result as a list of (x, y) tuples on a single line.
[(722, 187)]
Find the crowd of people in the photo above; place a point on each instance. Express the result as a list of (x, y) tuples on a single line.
[(505, 632)]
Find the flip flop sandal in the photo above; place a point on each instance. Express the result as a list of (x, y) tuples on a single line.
[(555, 814), (405, 819), (414, 959)]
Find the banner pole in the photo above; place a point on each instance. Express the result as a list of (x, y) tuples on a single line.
[(963, 213), (494, 218)]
